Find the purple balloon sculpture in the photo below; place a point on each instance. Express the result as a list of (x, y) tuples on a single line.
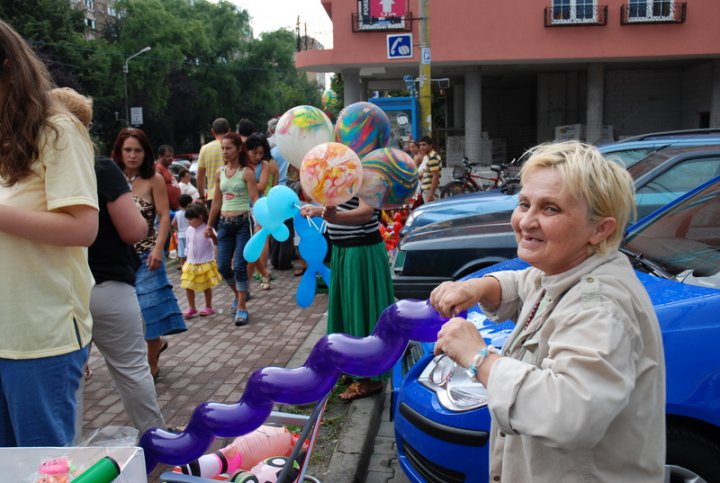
[(313, 249), (332, 355)]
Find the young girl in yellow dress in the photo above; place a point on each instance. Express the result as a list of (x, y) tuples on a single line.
[(200, 272)]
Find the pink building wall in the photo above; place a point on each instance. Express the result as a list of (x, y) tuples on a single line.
[(513, 31)]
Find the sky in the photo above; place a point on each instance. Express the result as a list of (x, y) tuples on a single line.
[(270, 15)]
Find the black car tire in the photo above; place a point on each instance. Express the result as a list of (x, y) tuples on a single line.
[(691, 450), (451, 189)]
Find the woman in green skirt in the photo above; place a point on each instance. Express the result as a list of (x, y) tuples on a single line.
[(360, 283)]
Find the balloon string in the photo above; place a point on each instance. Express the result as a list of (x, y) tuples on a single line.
[(332, 355)]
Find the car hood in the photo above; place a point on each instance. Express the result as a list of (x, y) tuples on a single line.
[(459, 206), (667, 296)]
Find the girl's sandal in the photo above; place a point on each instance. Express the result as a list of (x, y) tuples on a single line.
[(265, 284)]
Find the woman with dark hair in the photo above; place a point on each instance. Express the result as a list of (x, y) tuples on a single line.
[(49, 213), (235, 191), (161, 313), (266, 175)]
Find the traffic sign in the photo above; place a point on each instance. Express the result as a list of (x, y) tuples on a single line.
[(399, 46)]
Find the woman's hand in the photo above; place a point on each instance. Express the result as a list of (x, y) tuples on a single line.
[(460, 340), (209, 232), (450, 298), (155, 258), (312, 211)]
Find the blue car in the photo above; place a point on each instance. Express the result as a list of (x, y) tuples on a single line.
[(451, 249), (627, 152), (442, 433)]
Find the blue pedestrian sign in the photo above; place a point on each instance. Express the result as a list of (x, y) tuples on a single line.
[(399, 46)]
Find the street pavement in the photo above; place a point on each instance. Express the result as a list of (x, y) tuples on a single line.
[(213, 359)]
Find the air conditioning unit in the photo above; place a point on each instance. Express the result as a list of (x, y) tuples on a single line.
[(569, 132)]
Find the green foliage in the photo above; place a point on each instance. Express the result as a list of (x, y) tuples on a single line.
[(203, 64)]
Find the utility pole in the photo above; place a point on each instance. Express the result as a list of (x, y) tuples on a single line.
[(425, 78)]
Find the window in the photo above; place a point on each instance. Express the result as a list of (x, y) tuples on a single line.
[(675, 182), (112, 12), (651, 9), (90, 4), (90, 23), (568, 11)]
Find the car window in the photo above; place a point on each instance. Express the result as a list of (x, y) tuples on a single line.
[(685, 241), (629, 157), (675, 182)]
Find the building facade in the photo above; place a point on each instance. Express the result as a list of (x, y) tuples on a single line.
[(519, 72), (98, 14)]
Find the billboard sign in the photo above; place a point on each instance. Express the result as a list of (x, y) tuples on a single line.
[(382, 15)]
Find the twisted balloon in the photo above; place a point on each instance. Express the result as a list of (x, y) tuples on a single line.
[(332, 355)]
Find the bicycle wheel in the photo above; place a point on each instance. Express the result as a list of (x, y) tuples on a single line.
[(452, 188)]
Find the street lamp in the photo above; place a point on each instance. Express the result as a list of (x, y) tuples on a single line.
[(125, 73)]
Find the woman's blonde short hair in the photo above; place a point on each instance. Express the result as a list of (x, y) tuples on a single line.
[(78, 105), (606, 186)]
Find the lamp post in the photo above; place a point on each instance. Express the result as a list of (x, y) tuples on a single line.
[(125, 73)]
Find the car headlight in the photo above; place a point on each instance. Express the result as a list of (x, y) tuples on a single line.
[(454, 389), (411, 217), (399, 261)]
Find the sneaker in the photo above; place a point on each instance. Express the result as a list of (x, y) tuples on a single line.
[(257, 276), (190, 313), (206, 311)]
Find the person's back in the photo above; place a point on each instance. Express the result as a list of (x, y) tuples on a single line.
[(210, 160)]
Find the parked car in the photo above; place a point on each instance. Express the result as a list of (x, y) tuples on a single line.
[(451, 249), (626, 152), (676, 254)]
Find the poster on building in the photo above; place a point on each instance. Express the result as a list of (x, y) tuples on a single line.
[(382, 15)]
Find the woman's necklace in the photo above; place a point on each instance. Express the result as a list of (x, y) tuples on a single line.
[(130, 180)]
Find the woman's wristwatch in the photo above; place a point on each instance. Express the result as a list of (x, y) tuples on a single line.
[(472, 371)]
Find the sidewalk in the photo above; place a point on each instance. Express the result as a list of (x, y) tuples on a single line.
[(213, 359)]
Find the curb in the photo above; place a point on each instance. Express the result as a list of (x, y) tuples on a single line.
[(351, 457)]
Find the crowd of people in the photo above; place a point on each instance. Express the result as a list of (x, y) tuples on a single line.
[(578, 390)]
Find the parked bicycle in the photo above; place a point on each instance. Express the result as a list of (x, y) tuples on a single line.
[(467, 181)]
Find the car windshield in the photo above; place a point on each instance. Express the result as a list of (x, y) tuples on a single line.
[(629, 157), (684, 242)]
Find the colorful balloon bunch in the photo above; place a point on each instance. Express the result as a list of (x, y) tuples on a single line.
[(350, 159), (331, 356)]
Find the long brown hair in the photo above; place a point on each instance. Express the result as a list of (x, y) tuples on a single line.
[(27, 106), (147, 168), (240, 145)]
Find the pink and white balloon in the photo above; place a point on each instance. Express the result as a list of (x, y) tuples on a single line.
[(331, 173)]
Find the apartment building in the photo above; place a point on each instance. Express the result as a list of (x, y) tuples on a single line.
[(518, 72)]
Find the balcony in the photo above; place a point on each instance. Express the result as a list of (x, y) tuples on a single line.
[(657, 12), (570, 16)]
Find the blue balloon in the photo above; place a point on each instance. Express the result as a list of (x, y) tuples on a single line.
[(282, 202), (313, 248), (270, 213)]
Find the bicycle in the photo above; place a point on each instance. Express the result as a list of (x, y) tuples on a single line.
[(465, 181)]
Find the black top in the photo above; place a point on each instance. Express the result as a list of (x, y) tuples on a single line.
[(355, 235), (109, 257)]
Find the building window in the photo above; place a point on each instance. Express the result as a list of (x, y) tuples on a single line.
[(577, 11), (112, 12), (90, 23), (650, 9)]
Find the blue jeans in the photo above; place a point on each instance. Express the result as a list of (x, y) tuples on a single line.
[(37, 400), (232, 234)]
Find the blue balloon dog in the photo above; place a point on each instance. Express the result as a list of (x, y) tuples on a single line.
[(313, 248)]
